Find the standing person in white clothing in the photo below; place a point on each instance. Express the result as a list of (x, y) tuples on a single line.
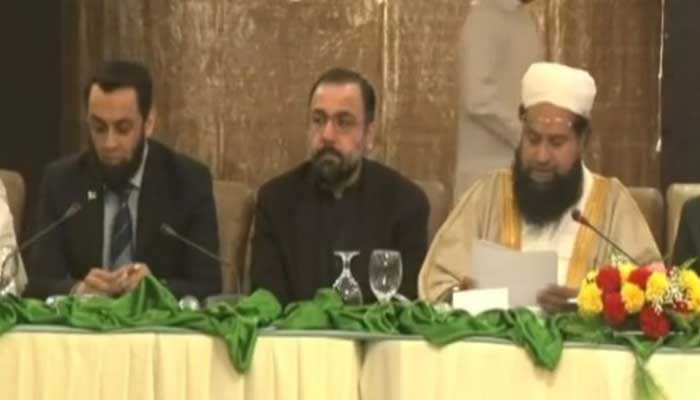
[(8, 242), (499, 41)]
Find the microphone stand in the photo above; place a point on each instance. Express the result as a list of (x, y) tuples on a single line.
[(578, 217), (170, 231), (70, 211)]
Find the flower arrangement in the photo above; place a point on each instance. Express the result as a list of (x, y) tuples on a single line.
[(652, 292)]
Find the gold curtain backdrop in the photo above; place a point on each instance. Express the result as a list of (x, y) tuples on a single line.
[(232, 76)]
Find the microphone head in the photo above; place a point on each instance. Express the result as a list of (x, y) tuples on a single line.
[(167, 229), (576, 215), (72, 210)]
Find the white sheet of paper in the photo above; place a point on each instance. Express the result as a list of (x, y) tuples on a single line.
[(523, 273), (477, 300)]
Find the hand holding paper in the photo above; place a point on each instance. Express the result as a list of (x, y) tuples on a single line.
[(556, 298)]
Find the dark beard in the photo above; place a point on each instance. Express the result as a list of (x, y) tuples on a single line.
[(542, 203), (330, 169), (116, 177)]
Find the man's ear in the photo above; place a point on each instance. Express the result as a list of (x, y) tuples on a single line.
[(150, 123)]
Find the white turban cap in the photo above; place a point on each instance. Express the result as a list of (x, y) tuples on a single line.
[(566, 87)]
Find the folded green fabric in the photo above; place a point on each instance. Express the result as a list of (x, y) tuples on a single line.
[(326, 311), (151, 304)]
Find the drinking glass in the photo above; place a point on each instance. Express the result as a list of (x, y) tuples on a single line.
[(385, 272), (346, 285)]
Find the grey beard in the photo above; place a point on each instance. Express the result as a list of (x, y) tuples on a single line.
[(330, 169)]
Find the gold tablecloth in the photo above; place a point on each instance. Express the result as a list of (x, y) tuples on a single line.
[(172, 366), (413, 369)]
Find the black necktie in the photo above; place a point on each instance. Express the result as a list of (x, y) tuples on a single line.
[(121, 228)]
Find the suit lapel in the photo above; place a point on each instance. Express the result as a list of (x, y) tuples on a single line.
[(367, 223), (307, 231), (150, 214), (90, 221), (368, 212)]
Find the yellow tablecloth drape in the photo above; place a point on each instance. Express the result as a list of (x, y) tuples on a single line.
[(413, 369), (173, 366)]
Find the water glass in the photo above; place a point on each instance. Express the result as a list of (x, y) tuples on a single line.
[(346, 284), (385, 273)]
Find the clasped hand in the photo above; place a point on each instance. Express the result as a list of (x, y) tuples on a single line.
[(113, 283)]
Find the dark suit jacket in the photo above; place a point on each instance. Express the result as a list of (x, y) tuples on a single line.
[(687, 243), (290, 249), (175, 190)]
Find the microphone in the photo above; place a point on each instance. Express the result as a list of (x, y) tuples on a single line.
[(73, 209), (170, 231), (70, 211), (578, 217)]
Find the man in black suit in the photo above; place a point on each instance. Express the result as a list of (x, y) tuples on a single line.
[(128, 186), (338, 200), (687, 244)]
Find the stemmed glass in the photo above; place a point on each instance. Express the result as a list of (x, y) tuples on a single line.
[(385, 273), (346, 285)]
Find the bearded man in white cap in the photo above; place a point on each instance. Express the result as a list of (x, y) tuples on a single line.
[(528, 207)]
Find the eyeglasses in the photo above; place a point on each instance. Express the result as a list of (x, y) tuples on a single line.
[(343, 122)]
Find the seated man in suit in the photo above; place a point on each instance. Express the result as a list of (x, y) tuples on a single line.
[(11, 265), (687, 244), (128, 186), (529, 206), (337, 200)]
